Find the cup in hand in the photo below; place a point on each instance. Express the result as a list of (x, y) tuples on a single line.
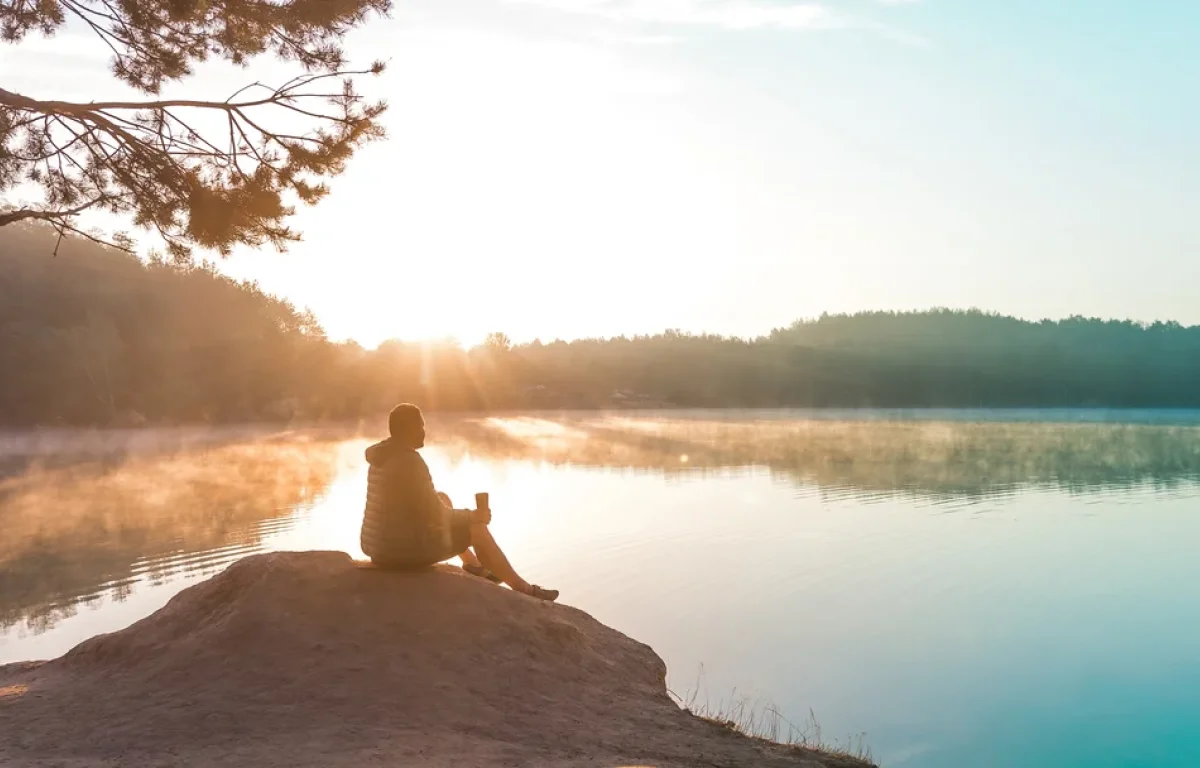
[(483, 514)]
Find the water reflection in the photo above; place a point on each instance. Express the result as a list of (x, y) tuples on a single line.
[(86, 526), (89, 518), (936, 458)]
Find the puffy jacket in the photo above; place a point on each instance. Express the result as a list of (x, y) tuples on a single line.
[(403, 518)]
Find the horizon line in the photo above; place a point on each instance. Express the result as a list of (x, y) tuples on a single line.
[(451, 341)]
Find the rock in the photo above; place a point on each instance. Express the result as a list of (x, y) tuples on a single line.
[(311, 659)]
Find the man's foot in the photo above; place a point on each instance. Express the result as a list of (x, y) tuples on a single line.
[(541, 593), (481, 572)]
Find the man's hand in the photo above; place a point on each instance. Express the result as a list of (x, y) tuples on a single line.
[(481, 516)]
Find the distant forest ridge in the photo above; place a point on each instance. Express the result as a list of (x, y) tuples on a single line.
[(95, 336)]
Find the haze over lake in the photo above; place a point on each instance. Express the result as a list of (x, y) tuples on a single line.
[(965, 587)]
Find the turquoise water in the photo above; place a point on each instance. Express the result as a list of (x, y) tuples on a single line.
[(951, 588)]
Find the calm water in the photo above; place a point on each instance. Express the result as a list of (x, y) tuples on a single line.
[(967, 588)]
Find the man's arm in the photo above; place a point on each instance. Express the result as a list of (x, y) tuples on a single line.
[(422, 496), (477, 515), (413, 491)]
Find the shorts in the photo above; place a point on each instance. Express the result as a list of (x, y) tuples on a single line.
[(446, 541), (458, 526)]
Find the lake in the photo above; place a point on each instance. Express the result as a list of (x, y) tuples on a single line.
[(983, 588)]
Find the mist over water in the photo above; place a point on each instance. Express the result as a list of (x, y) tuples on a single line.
[(965, 587)]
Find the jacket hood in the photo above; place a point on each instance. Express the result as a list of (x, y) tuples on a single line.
[(379, 453)]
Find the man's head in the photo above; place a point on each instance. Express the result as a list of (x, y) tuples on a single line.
[(407, 426)]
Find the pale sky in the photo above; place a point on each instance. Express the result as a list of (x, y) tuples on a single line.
[(566, 168)]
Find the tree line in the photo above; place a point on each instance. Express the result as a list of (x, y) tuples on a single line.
[(95, 336)]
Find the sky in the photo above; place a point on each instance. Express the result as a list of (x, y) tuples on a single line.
[(569, 168)]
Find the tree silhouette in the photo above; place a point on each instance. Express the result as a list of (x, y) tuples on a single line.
[(212, 174), (98, 336), (498, 341)]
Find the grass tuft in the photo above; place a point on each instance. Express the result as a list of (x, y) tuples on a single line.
[(759, 718)]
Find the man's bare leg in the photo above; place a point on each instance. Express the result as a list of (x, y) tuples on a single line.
[(492, 557), (487, 554)]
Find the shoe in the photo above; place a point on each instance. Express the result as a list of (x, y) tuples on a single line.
[(481, 572)]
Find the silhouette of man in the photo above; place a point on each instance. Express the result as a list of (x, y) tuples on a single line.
[(408, 524)]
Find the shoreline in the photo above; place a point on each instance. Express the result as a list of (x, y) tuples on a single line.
[(310, 658)]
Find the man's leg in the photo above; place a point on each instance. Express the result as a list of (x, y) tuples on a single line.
[(493, 558), (487, 554)]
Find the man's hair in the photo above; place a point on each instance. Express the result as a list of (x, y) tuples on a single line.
[(403, 418)]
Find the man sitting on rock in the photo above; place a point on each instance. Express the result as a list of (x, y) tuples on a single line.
[(408, 524)]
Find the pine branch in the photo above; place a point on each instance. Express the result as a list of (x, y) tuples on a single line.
[(24, 214), (157, 159)]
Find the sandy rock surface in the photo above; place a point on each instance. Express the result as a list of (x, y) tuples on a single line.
[(309, 659)]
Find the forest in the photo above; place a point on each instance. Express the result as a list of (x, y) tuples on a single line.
[(96, 336)]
